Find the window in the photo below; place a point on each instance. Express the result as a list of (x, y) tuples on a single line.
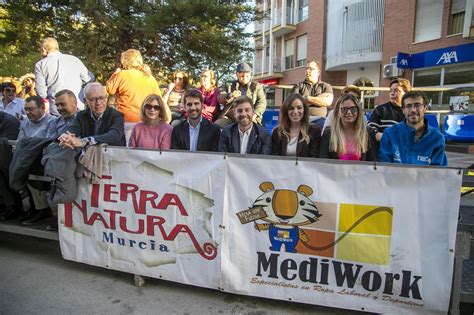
[(302, 10), (460, 74), (368, 99), (456, 19), (301, 50), (289, 54), (429, 77), (429, 15), (290, 9)]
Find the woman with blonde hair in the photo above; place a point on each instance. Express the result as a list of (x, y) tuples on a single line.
[(210, 92), (153, 132), (348, 136), (295, 136), (130, 86)]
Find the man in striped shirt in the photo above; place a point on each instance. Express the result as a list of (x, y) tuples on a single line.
[(390, 113)]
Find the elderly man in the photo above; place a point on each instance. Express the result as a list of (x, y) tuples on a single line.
[(97, 124), (11, 104), (242, 86), (38, 120), (318, 94), (245, 136), (58, 71), (195, 133), (413, 141), (66, 103)]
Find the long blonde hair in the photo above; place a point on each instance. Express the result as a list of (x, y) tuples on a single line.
[(337, 139), (132, 59), (284, 120)]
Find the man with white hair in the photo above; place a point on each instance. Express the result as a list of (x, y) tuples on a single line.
[(58, 71)]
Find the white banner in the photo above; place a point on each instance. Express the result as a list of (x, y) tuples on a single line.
[(378, 239)]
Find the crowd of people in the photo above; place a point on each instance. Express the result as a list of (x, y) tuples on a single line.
[(68, 109)]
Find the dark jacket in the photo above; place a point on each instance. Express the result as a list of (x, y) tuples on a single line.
[(303, 149), (385, 115), (9, 126), (27, 160), (7, 196), (255, 92), (326, 153), (208, 138), (260, 141), (111, 130), (60, 164)]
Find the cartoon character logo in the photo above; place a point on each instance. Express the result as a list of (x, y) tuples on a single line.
[(285, 211)]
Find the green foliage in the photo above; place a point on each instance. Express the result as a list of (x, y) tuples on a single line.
[(175, 34)]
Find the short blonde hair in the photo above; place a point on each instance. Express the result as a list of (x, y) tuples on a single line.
[(49, 44), (150, 98), (132, 59)]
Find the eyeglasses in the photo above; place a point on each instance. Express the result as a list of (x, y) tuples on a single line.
[(94, 100), (150, 107), (353, 109), (416, 106), (9, 90)]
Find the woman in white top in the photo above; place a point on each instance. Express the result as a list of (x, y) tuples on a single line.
[(294, 135)]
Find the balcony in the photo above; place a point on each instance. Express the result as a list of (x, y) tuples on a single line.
[(264, 74), (283, 26), (354, 34)]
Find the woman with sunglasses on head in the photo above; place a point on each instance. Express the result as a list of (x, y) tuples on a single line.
[(153, 132), (348, 136), (295, 136), (173, 96)]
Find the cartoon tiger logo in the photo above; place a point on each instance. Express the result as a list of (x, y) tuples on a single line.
[(286, 210)]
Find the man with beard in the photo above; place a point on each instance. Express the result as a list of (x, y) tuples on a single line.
[(390, 113), (244, 85), (195, 133), (318, 94), (66, 104), (413, 141), (245, 136)]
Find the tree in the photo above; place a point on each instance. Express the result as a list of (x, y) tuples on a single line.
[(175, 34)]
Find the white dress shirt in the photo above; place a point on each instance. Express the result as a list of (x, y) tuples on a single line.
[(244, 139)]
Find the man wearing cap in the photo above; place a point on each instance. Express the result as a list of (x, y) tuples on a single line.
[(318, 94), (242, 86)]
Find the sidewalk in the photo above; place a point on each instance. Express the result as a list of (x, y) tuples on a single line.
[(36, 280)]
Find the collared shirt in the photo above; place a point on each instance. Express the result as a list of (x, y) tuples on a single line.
[(97, 121), (194, 135), (58, 71), (17, 106), (244, 139), (38, 128), (59, 126)]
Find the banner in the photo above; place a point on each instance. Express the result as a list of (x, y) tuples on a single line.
[(364, 237)]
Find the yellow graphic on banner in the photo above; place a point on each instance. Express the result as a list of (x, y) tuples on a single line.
[(365, 249), (378, 224), (369, 239)]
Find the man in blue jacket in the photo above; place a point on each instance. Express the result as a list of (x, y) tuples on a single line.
[(413, 141)]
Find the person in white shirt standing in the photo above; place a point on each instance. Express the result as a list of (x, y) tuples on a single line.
[(11, 104), (58, 71)]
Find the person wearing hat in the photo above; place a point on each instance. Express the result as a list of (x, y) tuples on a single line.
[(244, 85)]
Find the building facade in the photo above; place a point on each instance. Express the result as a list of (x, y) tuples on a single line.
[(358, 42)]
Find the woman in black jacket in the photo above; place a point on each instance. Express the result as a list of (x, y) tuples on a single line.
[(295, 136), (348, 137)]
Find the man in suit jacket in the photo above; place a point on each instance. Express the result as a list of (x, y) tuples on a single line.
[(96, 124), (195, 133), (245, 136)]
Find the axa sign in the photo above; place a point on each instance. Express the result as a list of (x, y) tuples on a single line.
[(448, 57)]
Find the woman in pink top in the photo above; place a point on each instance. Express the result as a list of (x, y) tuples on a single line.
[(348, 136), (209, 91), (153, 132)]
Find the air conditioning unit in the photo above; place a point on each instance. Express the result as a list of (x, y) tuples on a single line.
[(392, 71)]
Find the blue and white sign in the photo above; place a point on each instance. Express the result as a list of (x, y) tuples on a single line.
[(436, 57)]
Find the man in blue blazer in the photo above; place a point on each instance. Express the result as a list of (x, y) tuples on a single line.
[(195, 133), (245, 136)]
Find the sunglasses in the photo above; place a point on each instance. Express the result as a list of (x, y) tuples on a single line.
[(150, 107), (9, 90), (353, 109)]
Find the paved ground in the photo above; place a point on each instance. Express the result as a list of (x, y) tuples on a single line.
[(36, 280)]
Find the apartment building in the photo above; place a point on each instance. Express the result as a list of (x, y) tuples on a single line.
[(359, 42)]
